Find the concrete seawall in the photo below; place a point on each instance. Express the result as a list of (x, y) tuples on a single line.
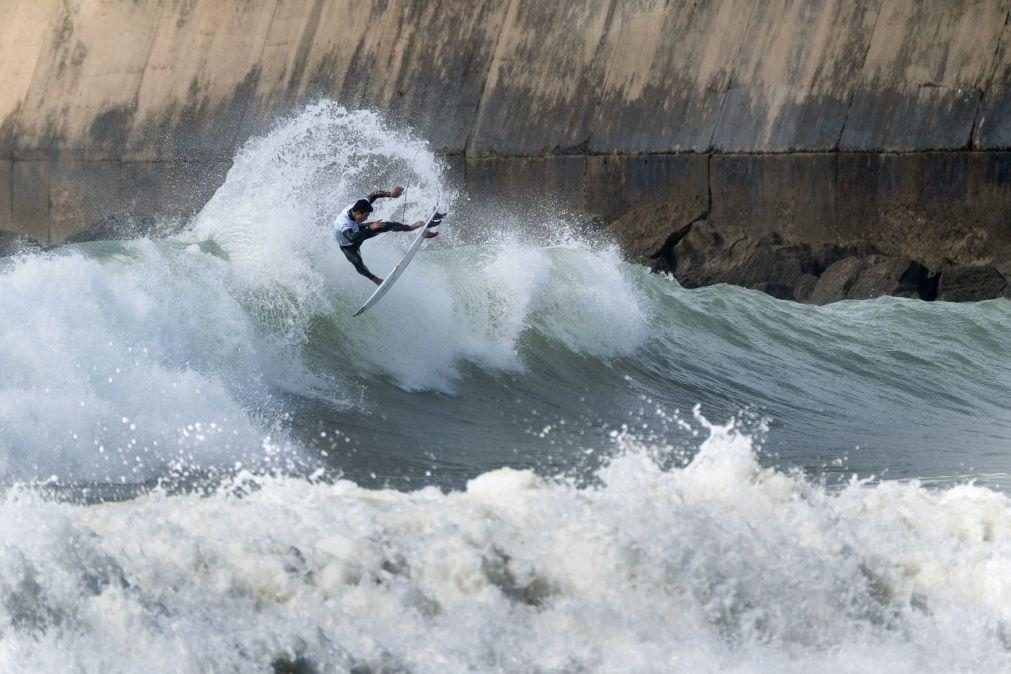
[(828, 119)]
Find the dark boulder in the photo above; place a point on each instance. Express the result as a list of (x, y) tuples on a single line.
[(694, 257), (700, 253), (835, 283), (777, 290), (864, 278), (827, 254), (889, 276), (705, 255), (768, 261), (646, 233), (971, 284), (804, 288)]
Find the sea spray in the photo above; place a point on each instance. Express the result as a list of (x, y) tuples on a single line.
[(720, 565)]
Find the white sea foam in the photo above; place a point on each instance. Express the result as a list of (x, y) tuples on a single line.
[(718, 566), (456, 303), (115, 359), (114, 366)]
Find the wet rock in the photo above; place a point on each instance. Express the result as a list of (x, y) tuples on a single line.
[(701, 253), (971, 284), (664, 259), (706, 255), (777, 290), (768, 261), (804, 288), (647, 233), (835, 283), (827, 254), (1002, 263), (889, 276)]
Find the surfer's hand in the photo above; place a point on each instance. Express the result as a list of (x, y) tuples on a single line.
[(374, 226), (397, 191), (419, 223)]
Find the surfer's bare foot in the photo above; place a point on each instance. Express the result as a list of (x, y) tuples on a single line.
[(419, 223), (378, 281)]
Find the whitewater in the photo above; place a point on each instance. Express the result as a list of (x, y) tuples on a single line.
[(532, 455)]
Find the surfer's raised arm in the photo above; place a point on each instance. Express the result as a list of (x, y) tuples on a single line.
[(383, 194)]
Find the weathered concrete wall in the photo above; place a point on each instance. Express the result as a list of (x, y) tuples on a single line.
[(822, 118)]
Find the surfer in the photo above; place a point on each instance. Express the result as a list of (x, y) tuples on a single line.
[(350, 229)]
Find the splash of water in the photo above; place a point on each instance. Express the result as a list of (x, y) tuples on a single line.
[(717, 566)]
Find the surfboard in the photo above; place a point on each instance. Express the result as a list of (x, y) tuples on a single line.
[(402, 263)]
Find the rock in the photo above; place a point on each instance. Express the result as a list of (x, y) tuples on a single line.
[(804, 288), (769, 262), (697, 258), (705, 255), (971, 284), (1002, 263), (889, 276), (835, 283), (700, 253), (861, 278), (828, 254), (777, 290), (647, 232), (664, 259)]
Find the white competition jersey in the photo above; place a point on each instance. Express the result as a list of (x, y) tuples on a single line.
[(344, 225)]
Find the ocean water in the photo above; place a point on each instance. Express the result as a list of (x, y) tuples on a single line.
[(531, 456)]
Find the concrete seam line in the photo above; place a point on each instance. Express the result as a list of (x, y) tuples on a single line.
[(984, 86), (853, 92)]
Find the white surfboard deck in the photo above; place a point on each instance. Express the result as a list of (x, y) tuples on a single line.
[(398, 268)]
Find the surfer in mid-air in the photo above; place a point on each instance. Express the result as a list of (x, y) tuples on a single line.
[(350, 229)]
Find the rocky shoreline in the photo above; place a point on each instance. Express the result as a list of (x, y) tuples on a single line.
[(702, 253)]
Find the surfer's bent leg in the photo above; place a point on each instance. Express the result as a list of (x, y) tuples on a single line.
[(366, 233), (394, 227), (355, 258)]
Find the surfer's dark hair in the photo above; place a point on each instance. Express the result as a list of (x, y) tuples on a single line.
[(362, 206)]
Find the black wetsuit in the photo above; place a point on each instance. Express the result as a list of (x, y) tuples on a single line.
[(362, 235), (350, 235)]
